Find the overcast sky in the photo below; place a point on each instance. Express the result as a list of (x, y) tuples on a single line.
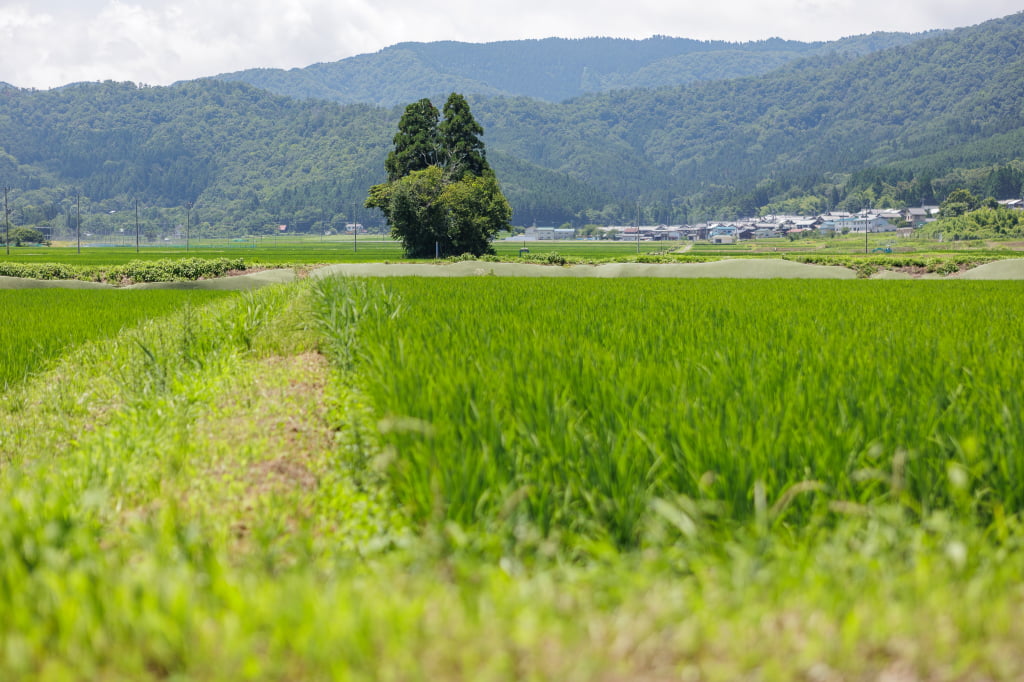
[(46, 43)]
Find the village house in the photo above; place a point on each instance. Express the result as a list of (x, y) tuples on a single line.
[(858, 223), (919, 216), (694, 232), (535, 233), (721, 230), (539, 233), (666, 233)]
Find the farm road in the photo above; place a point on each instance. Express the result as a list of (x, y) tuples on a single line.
[(750, 268), (1012, 269), (746, 269)]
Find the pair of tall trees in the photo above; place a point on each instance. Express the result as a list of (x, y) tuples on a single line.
[(441, 194)]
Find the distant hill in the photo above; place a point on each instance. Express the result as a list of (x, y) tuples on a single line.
[(901, 125), (552, 69)]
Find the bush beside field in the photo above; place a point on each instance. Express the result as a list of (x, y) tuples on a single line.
[(865, 266), (133, 272)]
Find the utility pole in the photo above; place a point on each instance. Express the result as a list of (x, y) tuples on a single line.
[(188, 222), (78, 221), (7, 222), (638, 226), (136, 225), (865, 231)]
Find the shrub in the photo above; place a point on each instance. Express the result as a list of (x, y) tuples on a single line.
[(133, 272)]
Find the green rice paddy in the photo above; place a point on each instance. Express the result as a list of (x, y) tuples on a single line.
[(267, 251), (506, 479), (588, 402), (270, 251), (37, 326)]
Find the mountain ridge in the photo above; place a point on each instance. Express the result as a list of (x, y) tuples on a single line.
[(550, 69)]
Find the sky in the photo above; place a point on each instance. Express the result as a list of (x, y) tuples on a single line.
[(48, 43)]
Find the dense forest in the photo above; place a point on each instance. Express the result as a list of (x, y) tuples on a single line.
[(899, 125)]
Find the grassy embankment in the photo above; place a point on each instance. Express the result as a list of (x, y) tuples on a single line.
[(509, 479)]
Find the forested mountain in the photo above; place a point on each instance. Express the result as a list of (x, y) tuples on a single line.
[(903, 125), (552, 69), (247, 157), (903, 122)]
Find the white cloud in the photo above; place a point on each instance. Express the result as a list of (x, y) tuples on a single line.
[(54, 42)]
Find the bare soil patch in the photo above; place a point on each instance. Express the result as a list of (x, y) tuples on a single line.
[(269, 436)]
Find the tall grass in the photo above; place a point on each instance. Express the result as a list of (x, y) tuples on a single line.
[(592, 409)]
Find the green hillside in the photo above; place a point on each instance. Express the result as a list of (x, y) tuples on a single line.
[(902, 125)]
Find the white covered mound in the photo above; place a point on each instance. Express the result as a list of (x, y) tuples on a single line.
[(1001, 269), (253, 280), (26, 283), (738, 268)]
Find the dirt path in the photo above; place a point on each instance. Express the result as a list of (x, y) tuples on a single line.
[(748, 268)]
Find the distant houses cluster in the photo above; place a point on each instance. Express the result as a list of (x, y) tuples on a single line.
[(901, 222), (765, 227)]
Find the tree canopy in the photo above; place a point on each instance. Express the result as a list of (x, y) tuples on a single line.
[(25, 235), (959, 202), (441, 194)]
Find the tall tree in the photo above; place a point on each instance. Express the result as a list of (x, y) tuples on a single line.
[(959, 202), (460, 138), (441, 194), (417, 142)]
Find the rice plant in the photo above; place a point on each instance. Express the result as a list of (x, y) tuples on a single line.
[(587, 409)]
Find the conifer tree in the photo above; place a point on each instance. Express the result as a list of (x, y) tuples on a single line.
[(417, 142), (460, 138)]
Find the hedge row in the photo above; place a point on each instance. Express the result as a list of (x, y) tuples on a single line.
[(133, 272), (555, 258)]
